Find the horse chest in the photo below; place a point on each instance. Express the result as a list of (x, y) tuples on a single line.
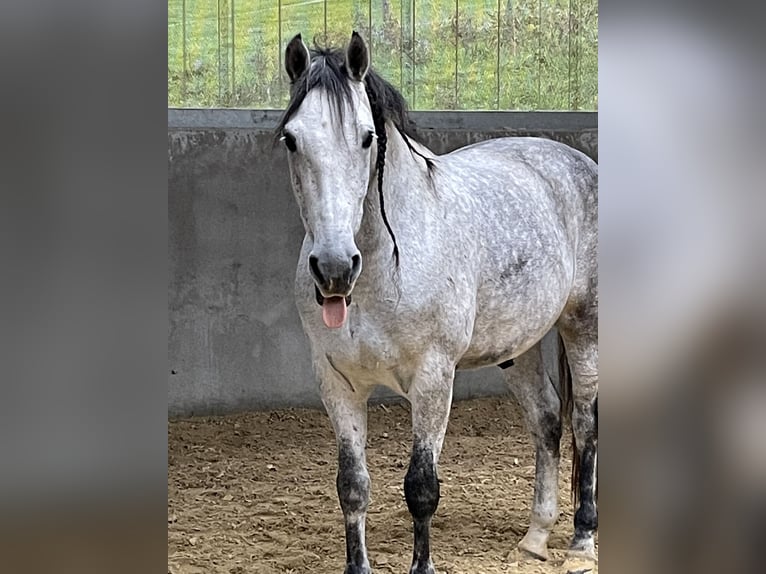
[(367, 353)]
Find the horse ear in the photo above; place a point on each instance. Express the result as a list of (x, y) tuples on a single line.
[(297, 58), (357, 58)]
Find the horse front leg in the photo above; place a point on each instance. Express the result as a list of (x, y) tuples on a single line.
[(431, 399), (347, 409)]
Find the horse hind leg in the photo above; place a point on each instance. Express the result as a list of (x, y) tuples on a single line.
[(540, 403), (581, 342)]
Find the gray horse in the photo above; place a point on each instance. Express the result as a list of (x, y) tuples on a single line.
[(415, 265)]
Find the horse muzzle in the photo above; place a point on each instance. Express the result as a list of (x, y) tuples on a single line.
[(334, 272), (334, 276)]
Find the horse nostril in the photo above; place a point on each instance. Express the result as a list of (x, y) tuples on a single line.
[(314, 266), (356, 265)]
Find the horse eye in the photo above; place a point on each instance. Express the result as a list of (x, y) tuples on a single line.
[(367, 140), (289, 140)]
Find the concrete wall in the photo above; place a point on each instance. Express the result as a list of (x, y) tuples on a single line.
[(235, 340)]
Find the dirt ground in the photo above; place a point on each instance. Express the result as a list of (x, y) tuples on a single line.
[(256, 493)]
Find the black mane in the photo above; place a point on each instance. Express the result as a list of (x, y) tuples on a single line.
[(328, 72)]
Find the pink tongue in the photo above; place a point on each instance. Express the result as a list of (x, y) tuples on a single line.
[(334, 312)]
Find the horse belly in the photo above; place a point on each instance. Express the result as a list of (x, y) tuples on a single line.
[(510, 322)]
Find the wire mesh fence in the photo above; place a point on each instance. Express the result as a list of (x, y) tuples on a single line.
[(442, 54)]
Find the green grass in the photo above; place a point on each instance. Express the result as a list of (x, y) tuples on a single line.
[(548, 50)]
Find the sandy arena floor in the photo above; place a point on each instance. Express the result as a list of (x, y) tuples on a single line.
[(255, 493)]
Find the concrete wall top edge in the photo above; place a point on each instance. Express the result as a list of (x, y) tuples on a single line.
[(266, 120)]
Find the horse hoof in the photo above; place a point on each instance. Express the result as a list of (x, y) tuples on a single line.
[(354, 569), (580, 562), (535, 544)]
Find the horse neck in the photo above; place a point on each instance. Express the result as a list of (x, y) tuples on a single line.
[(401, 174)]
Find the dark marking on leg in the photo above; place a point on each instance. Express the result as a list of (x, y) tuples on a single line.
[(550, 431), (506, 364), (353, 484), (421, 487), (586, 518), (588, 433), (421, 490), (595, 415)]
